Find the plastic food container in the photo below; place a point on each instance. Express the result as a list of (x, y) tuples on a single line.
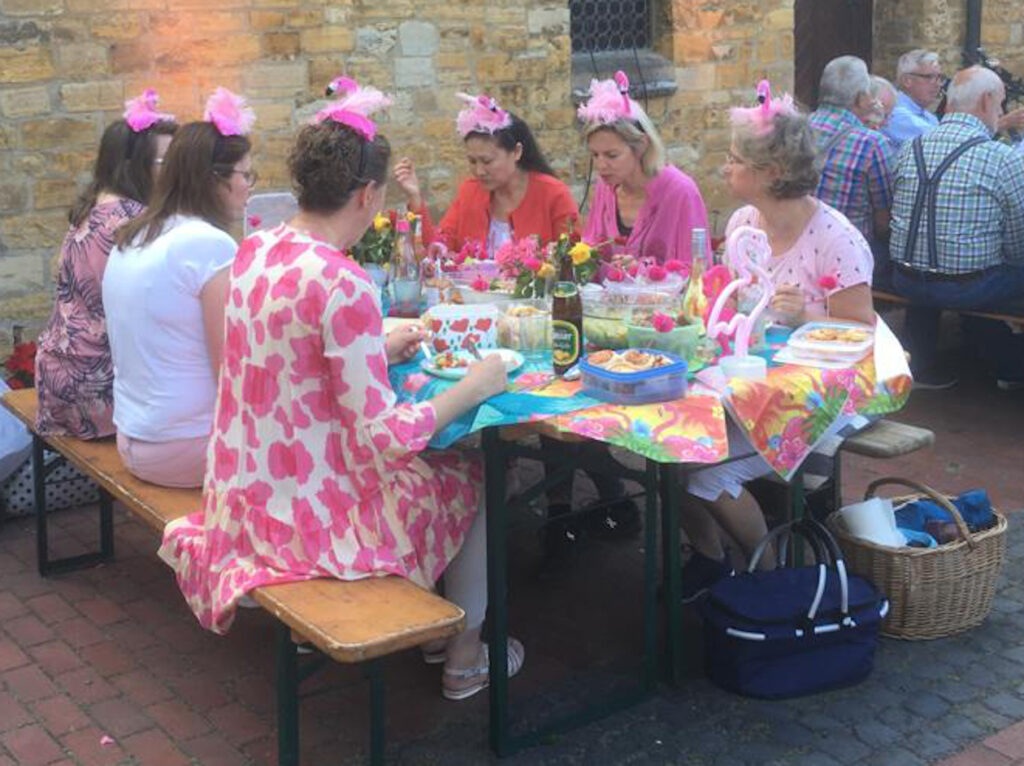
[(840, 341), (662, 384), (606, 312), (526, 326)]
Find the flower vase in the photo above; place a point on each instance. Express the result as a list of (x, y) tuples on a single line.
[(379, 275)]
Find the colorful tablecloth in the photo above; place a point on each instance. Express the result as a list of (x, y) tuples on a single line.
[(783, 416)]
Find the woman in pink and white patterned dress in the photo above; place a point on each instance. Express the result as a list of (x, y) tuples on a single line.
[(313, 469)]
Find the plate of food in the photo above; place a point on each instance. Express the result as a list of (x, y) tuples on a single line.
[(453, 365), (831, 339)]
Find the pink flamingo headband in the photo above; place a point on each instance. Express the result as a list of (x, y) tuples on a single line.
[(354, 107), (140, 113), (609, 102), (481, 115), (762, 116), (229, 113)]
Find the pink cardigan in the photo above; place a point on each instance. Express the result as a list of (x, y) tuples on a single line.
[(673, 208)]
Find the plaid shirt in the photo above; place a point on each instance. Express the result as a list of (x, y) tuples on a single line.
[(856, 179), (980, 201)]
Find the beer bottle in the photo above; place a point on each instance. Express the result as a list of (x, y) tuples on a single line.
[(566, 319)]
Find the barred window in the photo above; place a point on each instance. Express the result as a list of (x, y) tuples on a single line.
[(610, 25)]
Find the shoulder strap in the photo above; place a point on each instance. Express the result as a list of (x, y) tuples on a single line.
[(925, 201)]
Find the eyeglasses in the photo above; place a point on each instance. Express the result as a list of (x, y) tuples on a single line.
[(933, 77), (250, 176), (734, 159)]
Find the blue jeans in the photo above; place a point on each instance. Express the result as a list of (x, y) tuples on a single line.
[(999, 290)]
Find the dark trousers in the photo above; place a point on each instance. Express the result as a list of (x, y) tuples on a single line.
[(608, 487), (999, 290)]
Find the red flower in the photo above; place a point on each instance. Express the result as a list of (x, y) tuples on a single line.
[(828, 282), (663, 322), (481, 285), (615, 274), (254, 221), (633, 270), (675, 266), (574, 237), (656, 274), (533, 264), (621, 241), (393, 217)]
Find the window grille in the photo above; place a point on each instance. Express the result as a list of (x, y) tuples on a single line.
[(610, 25)]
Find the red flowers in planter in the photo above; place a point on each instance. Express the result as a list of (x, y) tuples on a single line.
[(21, 365)]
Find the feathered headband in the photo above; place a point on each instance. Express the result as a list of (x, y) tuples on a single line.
[(354, 107), (609, 102), (481, 115), (229, 113), (140, 113), (762, 116)]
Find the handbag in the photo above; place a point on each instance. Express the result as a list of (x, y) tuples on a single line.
[(792, 631)]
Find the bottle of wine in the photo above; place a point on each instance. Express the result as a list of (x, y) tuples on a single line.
[(695, 303)]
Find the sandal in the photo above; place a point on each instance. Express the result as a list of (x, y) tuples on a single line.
[(516, 657)]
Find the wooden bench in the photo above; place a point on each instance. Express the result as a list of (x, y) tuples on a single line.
[(1016, 322), (349, 622)]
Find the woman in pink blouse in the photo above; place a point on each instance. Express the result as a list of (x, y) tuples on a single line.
[(653, 206), (74, 371), (821, 266), (314, 469)]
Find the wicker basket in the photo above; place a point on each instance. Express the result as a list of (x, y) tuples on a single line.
[(932, 592)]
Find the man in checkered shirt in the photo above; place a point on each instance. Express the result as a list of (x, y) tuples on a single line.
[(856, 177), (974, 258)]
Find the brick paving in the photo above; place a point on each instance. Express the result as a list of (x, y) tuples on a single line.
[(113, 652)]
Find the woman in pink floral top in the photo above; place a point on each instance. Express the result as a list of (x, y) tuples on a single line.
[(74, 371), (314, 470)]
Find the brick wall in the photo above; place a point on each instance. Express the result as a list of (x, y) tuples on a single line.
[(67, 65)]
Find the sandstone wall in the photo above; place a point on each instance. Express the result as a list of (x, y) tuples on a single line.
[(66, 66)]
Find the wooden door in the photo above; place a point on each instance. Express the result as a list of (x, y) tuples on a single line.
[(825, 29)]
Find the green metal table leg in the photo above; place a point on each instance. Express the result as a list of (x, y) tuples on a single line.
[(650, 576), (287, 698), (497, 587), (672, 476), (373, 672)]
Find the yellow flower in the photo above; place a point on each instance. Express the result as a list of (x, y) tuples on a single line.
[(381, 222), (411, 216), (580, 253), (546, 271)]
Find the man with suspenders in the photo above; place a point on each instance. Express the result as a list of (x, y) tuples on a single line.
[(958, 227)]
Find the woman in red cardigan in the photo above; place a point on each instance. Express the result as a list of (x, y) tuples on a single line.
[(512, 192)]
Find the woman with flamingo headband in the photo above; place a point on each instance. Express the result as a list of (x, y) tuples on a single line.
[(821, 267), (74, 370), (334, 471), (512, 192), (165, 290), (638, 197)]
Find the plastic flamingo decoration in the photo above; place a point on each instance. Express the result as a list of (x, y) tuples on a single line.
[(354, 106), (481, 115), (746, 252)]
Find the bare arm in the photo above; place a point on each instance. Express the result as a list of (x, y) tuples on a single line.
[(853, 304), (214, 299)]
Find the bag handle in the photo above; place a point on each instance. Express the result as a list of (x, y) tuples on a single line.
[(940, 500), (823, 544)]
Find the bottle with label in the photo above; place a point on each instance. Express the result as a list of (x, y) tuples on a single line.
[(405, 274), (695, 303), (566, 320)]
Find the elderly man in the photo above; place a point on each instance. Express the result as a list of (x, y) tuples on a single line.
[(958, 223), (919, 77), (856, 177), (885, 96)]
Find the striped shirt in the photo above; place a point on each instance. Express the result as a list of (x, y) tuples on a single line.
[(908, 120), (856, 178), (979, 204)]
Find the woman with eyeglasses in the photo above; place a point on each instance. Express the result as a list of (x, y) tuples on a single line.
[(165, 292), (74, 372)]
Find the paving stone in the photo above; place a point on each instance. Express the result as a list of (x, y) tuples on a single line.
[(877, 735), (928, 705), (1006, 704)]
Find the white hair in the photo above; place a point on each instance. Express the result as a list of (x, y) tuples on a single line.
[(914, 60), (842, 82), (969, 86), (880, 85)]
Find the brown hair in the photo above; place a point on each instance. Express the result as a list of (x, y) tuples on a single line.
[(790, 145), (124, 166), (198, 160), (330, 161)]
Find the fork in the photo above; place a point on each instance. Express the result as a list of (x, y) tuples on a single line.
[(471, 347)]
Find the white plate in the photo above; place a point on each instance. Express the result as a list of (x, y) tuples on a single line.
[(513, 361)]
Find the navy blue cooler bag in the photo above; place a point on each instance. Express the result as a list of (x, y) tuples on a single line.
[(788, 632)]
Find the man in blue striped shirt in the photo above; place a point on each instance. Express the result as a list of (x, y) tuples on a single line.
[(919, 77), (958, 220)]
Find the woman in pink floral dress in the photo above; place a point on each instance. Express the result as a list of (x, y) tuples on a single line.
[(313, 469), (74, 371)]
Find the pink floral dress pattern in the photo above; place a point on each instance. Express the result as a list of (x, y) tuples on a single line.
[(313, 469), (74, 369)]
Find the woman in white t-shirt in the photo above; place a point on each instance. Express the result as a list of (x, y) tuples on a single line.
[(164, 293)]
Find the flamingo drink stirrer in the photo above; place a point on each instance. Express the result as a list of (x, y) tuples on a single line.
[(746, 253)]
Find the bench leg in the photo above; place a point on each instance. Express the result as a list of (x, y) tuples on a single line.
[(373, 672), (39, 492), (287, 698), (106, 525), (672, 483)]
